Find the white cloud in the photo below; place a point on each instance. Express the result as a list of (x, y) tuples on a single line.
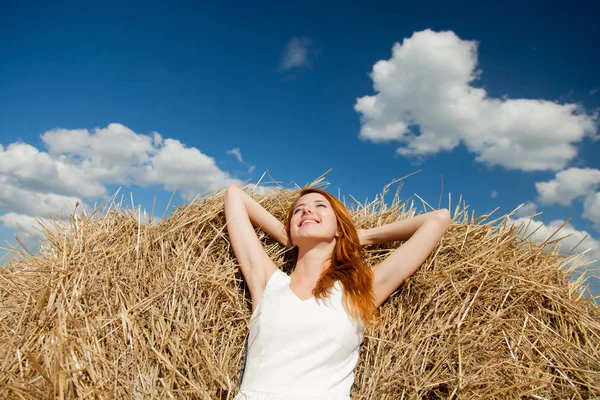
[(237, 153), (25, 223), (114, 145), (78, 164), (591, 209), (296, 54), (176, 166), (23, 165), (427, 83), (526, 211), (543, 232), (494, 194), (23, 201), (568, 185), (593, 92), (118, 155)]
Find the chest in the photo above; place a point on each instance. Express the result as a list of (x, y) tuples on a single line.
[(285, 318)]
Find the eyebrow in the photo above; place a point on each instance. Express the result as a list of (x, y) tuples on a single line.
[(316, 201)]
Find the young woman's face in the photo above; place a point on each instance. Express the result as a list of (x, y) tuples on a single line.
[(312, 219)]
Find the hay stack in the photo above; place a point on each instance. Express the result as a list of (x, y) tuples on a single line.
[(112, 309)]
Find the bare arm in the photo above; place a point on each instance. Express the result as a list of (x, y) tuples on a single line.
[(399, 230), (259, 217), (241, 212), (421, 233)]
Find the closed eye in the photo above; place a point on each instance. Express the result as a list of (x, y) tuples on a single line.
[(318, 205)]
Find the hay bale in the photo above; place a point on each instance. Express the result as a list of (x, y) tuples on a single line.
[(114, 309)]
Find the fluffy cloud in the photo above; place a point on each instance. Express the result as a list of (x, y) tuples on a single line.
[(23, 201), (78, 164), (543, 231), (111, 155), (176, 166), (24, 223), (568, 185), (526, 210), (24, 166), (115, 144), (571, 184), (425, 100), (296, 54), (591, 209)]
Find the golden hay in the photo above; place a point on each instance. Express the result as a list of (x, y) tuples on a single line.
[(113, 309)]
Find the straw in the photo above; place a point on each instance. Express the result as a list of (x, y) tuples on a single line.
[(112, 308)]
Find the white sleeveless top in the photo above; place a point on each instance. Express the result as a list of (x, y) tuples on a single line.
[(300, 349)]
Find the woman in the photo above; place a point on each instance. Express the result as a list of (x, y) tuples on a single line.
[(306, 328)]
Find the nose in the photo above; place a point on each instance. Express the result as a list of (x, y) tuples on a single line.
[(306, 210)]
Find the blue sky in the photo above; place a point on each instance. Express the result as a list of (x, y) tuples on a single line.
[(500, 100)]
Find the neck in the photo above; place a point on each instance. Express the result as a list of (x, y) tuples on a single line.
[(312, 261)]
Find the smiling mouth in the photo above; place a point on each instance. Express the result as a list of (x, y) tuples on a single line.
[(308, 221)]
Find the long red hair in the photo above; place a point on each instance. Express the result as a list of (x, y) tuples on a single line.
[(346, 263)]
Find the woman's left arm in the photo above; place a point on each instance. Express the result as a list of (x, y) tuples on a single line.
[(421, 233)]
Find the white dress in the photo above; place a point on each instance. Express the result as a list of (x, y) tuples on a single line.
[(300, 349)]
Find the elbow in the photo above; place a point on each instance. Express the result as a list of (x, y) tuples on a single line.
[(231, 190), (444, 217)]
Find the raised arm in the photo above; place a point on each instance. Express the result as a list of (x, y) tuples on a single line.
[(421, 233), (241, 213)]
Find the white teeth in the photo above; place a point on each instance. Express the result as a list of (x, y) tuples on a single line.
[(308, 221)]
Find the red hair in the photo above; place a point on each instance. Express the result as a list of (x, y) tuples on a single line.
[(346, 263)]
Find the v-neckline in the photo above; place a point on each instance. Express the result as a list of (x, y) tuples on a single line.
[(294, 294), (298, 298)]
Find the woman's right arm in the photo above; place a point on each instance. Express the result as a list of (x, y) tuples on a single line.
[(241, 213)]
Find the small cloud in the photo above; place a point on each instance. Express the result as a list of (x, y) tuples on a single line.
[(568, 96), (494, 194), (296, 54), (593, 92), (237, 153)]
